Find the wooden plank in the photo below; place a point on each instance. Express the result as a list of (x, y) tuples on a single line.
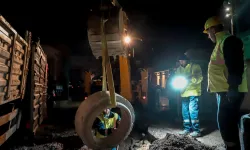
[(8, 97), (26, 63), (4, 37), (4, 52), (19, 117), (3, 82), (32, 89), (2, 101), (35, 129), (8, 117), (7, 25), (4, 137), (7, 101), (23, 41), (19, 47)]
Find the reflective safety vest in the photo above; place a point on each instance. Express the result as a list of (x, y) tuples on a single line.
[(194, 85), (109, 123), (217, 70)]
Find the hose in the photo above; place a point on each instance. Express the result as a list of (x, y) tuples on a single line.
[(242, 130)]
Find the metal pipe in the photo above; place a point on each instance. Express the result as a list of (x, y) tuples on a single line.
[(233, 3), (242, 130)]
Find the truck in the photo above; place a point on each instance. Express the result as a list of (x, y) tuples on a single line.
[(23, 82)]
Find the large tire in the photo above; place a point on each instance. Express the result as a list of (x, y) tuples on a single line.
[(91, 108)]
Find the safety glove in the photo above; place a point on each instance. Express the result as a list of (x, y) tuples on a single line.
[(233, 93)]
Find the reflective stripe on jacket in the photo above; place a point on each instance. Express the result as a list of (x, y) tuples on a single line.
[(194, 86), (106, 123), (217, 69)]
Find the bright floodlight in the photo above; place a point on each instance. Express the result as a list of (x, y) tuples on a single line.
[(179, 82), (227, 15), (127, 39), (227, 9)]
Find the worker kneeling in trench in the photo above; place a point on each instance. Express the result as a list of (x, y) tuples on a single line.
[(106, 123)]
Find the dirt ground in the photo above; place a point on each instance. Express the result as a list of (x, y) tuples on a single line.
[(59, 134), (64, 138), (58, 138)]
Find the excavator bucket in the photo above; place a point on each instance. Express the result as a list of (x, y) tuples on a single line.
[(116, 28)]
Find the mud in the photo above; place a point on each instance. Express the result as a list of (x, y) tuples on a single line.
[(174, 142)]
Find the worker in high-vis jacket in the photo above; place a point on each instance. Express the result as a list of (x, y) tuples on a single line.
[(190, 96), (106, 123), (226, 78)]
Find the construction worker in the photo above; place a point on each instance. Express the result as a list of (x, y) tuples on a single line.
[(227, 79), (190, 96), (106, 123)]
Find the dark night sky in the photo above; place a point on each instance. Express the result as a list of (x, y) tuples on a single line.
[(166, 26)]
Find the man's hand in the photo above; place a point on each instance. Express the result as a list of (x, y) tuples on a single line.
[(113, 130), (191, 79), (233, 94)]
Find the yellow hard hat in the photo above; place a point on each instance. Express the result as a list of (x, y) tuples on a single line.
[(213, 21)]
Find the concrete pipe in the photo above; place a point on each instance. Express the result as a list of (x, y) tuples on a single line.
[(91, 108)]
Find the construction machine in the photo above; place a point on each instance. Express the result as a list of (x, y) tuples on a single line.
[(107, 30), (110, 40)]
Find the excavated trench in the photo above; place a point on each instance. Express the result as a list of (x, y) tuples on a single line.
[(52, 139), (60, 135)]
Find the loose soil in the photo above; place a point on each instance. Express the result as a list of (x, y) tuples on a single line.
[(175, 142)]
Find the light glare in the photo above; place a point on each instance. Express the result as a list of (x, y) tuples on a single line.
[(127, 39), (179, 82), (227, 15)]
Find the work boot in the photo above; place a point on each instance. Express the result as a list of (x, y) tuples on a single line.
[(184, 132), (195, 134)]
